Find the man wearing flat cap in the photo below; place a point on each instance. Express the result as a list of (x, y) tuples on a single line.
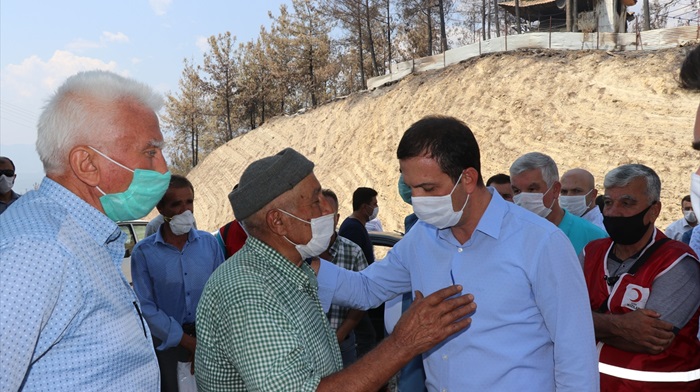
[(260, 324)]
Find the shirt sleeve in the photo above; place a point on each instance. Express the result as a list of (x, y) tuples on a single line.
[(327, 279), (360, 261), (561, 295), (162, 326), (695, 239), (218, 250), (676, 294), (375, 284), (366, 289), (32, 292), (669, 232)]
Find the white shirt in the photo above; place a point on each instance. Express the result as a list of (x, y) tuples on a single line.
[(676, 229), (595, 216), (374, 225)]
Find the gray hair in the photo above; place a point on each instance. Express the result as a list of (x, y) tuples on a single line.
[(75, 113), (536, 160), (623, 175)]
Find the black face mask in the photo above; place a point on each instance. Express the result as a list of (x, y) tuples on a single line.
[(627, 230)]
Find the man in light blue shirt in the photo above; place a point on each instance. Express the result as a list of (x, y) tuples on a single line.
[(69, 320), (536, 187), (531, 330), (169, 270)]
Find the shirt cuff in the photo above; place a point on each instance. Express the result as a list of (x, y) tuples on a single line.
[(174, 336)]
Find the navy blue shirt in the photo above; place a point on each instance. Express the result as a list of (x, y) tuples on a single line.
[(355, 231)]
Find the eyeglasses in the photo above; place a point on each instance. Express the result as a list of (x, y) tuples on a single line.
[(7, 173)]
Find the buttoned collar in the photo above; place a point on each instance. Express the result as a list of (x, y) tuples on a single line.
[(97, 225)]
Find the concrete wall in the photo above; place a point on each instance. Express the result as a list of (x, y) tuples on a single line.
[(649, 40)]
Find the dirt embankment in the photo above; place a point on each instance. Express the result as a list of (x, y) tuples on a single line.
[(589, 109)]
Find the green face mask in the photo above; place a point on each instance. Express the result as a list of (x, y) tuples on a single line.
[(404, 190), (144, 192)]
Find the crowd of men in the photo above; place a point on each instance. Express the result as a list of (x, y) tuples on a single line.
[(518, 283)]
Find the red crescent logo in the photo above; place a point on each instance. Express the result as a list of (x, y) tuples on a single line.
[(639, 295)]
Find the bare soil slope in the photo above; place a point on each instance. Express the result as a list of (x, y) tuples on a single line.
[(589, 109)]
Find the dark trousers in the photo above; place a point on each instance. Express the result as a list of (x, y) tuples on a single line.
[(348, 351), (365, 336), (167, 362)]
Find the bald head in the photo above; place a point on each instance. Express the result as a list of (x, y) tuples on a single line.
[(579, 182), (578, 177)]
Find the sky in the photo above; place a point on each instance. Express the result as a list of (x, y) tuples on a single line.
[(44, 42)]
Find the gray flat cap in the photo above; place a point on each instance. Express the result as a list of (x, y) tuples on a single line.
[(266, 179)]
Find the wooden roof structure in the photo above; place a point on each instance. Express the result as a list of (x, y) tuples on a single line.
[(545, 10)]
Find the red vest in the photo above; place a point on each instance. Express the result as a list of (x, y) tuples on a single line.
[(675, 369), (233, 236)]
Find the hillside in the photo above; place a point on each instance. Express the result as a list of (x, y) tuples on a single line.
[(590, 109)]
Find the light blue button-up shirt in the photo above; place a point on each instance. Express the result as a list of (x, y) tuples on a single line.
[(532, 330), (169, 281), (68, 317)]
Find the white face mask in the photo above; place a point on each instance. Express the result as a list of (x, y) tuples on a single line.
[(695, 191), (182, 223), (322, 229), (375, 212), (437, 210), (575, 204), (533, 202), (690, 216), (6, 183)]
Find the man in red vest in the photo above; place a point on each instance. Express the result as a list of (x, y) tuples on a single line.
[(644, 291), (231, 236)]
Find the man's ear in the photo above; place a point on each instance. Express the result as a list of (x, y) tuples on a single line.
[(470, 178), (82, 163), (556, 189), (655, 210), (275, 222), (593, 195)]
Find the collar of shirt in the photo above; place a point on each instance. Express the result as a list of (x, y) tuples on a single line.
[(490, 222), (333, 250), (101, 228), (193, 235), (303, 277)]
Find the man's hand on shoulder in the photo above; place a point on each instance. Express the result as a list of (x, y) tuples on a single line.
[(432, 319)]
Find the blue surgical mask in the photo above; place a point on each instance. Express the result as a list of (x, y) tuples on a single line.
[(145, 191)]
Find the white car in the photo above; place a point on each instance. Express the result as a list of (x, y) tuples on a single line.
[(135, 231)]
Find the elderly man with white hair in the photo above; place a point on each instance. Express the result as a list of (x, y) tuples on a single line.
[(536, 187), (70, 321)]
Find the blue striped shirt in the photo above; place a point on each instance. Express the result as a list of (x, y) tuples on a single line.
[(68, 320)]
